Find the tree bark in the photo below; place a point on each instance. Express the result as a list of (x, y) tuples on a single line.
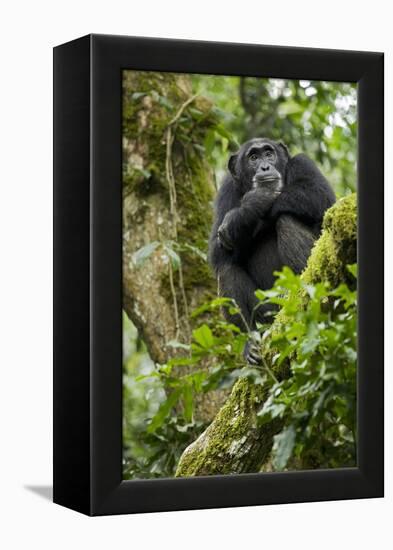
[(234, 443), (168, 187)]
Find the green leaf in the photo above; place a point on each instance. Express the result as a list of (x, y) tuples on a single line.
[(164, 102), (173, 257), (163, 411), (261, 295), (353, 269), (218, 302), (137, 95), (195, 250), (223, 132), (181, 361), (196, 113), (197, 379), (188, 403), (283, 447), (140, 256), (289, 108), (224, 144), (146, 173), (210, 142), (203, 336)]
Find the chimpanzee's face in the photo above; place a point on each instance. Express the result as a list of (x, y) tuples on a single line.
[(260, 162)]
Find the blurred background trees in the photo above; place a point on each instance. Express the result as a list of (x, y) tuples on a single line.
[(314, 117), (178, 132)]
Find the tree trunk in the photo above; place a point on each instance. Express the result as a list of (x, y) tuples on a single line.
[(234, 443), (168, 187)]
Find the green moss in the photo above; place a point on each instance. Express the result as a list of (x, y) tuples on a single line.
[(213, 452), (149, 100), (336, 248), (233, 443), (333, 251)]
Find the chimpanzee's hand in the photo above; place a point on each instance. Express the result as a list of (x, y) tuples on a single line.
[(260, 200), (226, 234)]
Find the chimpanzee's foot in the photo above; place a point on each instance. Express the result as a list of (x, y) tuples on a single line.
[(252, 352)]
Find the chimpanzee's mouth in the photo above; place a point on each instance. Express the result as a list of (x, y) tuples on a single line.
[(261, 182)]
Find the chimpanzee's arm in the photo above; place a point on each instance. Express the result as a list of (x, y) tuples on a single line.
[(240, 224), (306, 193), (228, 197), (233, 281)]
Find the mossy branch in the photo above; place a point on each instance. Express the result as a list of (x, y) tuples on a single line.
[(234, 442)]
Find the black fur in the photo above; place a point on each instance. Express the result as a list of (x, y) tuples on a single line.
[(268, 212)]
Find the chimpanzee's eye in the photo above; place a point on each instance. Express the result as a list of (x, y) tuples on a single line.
[(269, 154), (253, 157)]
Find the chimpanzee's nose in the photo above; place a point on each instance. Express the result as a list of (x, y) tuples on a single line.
[(265, 167)]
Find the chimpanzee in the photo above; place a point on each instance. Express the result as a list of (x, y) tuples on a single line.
[(268, 213)]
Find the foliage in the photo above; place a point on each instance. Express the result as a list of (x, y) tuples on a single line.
[(168, 247), (318, 402), (159, 404), (151, 447), (314, 117)]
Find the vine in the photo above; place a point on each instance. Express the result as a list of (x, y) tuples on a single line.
[(169, 139)]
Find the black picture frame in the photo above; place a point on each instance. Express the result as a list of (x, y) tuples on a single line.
[(88, 275)]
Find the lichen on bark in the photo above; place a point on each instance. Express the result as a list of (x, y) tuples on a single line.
[(234, 442)]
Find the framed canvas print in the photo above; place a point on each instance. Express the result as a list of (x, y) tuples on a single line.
[(218, 275)]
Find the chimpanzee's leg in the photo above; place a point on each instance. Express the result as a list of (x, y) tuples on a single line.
[(234, 282)]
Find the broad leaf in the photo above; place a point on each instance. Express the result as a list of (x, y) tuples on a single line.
[(203, 336), (140, 256), (165, 408), (283, 446)]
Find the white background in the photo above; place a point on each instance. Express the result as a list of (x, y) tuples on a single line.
[(29, 30)]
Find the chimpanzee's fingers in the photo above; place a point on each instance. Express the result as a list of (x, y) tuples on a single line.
[(223, 238), (252, 354), (255, 355)]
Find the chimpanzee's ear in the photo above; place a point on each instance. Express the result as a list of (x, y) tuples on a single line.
[(232, 166), (284, 148)]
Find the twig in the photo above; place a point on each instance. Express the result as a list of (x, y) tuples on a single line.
[(181, 110), (175, 307), (269, 370)]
